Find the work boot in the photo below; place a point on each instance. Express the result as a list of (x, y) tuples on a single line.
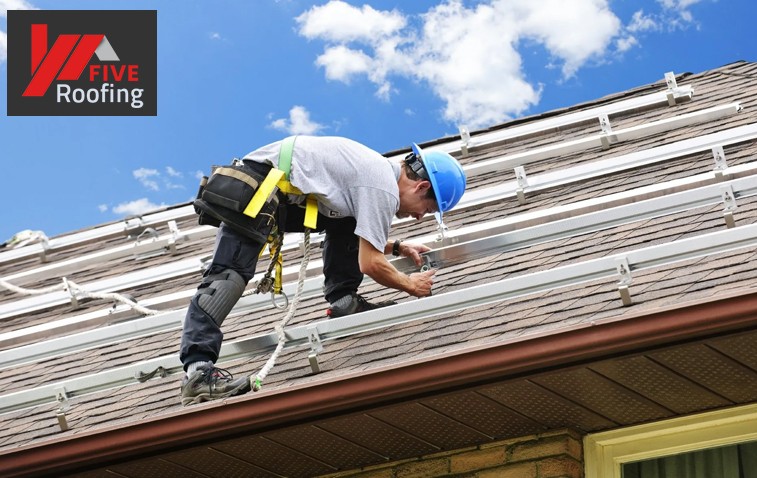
[(352, 304), (211, 383)]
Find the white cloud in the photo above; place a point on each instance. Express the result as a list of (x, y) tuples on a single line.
[(470, 53), (676, 15), (172, 172), (642, 23), (136, 207), (299, 122), (3, 46), (342, 63), (145, 177), (6, 5), (626, 43), (102, 208), (338, 21), (468, 56), (199, 175)]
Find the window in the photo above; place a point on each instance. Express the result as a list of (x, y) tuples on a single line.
[(726, 437), (733, 461)]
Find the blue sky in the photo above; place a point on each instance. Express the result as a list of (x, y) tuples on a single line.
[(234, 75)]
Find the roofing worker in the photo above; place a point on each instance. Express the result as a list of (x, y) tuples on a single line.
[(358, 192)]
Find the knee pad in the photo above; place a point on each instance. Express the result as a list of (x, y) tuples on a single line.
[(219, 297)]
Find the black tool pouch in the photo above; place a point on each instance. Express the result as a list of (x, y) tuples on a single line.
[(224, 197)]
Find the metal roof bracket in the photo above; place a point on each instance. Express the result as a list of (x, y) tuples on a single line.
[(520, 176), (316, 347), (624, 271), (670, 79), (176, 236), (72, 293), (133, 226), (464, 140), (604, 123), (45, 244), (147, 236), (720, 162), (62, 397), (729, 201)]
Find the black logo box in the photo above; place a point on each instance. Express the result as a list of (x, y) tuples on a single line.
[(131, 33)]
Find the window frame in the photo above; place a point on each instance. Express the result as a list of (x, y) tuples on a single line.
[(606, 452)]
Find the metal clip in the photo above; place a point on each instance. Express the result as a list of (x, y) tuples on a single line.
[(71, 293), (464, 139), (284, 305), (316, 347), (176, 236), (670, 79), (604, 123), (624, 271), (520, 177), (720, 162), (729, 201), (442, 229), (45, 247), (133, 226), (61, 396)]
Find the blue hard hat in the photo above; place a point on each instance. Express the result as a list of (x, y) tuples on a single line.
[(446, 176)]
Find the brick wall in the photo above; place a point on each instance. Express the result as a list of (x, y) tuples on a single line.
[(556, 454)]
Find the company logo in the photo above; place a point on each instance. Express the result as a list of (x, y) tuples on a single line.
[(82, 63)]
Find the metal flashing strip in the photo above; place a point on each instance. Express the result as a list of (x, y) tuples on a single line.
[(600, 140), (468, 243), (532, 127), (446, 303)]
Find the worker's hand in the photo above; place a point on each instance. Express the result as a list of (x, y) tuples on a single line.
[(422, 283), (413, 251)]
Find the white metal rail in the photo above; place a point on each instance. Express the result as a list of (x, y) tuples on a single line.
[(602, 140), (675, 94), (121, 227), (471, 199), (464, 244), (615, 266)]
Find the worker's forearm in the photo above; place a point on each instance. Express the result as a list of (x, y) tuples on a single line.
[(387, 275), (374, 264)]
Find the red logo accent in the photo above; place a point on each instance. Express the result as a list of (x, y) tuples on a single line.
[(46, 66)]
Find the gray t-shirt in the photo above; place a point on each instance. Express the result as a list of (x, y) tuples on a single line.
[(347, 178)]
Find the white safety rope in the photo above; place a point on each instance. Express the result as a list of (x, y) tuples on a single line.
[(258, 383), (73, 288)]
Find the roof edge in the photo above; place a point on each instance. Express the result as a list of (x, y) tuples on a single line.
[(462, 369)]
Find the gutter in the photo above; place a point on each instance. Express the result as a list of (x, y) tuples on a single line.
[(473, 366)]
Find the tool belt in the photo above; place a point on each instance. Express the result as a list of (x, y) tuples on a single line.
[(246, 200)]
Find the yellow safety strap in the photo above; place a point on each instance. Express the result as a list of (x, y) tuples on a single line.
[(280, 178), (311, 212), (264, 192)]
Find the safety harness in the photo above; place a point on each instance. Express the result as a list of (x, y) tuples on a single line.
[(279, 178)]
